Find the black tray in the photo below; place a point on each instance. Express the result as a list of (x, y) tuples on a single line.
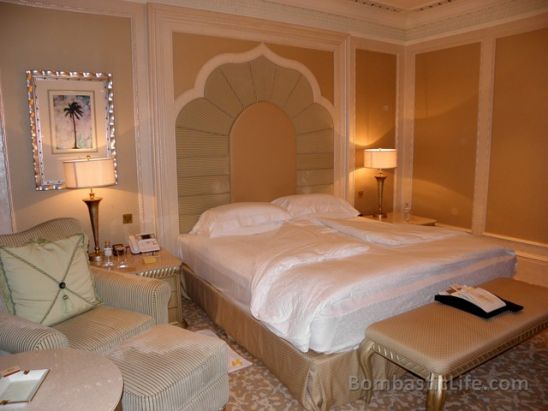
[(471, 308)]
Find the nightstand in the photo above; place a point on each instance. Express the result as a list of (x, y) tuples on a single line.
[(398, 218), (164, 267)]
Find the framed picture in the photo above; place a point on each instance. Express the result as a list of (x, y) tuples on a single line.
[(71, 116)]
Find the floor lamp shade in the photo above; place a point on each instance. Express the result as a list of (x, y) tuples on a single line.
[(90, 173), (381, 159)]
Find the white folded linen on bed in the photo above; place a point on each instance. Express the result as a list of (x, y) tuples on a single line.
[(378, 232)]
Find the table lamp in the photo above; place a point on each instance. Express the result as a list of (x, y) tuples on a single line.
[(90, 173), (381, 159)]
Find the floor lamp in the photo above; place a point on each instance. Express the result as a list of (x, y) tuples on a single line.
[(90, 173), (381, 159)]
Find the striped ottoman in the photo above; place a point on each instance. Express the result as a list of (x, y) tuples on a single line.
[(168, 368)]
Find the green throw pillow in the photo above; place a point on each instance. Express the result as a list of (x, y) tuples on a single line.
[(49, 281)]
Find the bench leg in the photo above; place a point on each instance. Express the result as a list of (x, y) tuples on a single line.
[(435, 397), (365, 361)]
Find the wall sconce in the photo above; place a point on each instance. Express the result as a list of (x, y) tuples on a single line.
[(381, 159), (89, 173)]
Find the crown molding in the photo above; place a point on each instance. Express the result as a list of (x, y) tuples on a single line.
[(271, 11), (438, 19), (484, 14), (371, 19), (390, 17), (206, 22)]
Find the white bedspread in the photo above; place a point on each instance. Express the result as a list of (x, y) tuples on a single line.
[(324, 303), (388, 234), (276, 276)]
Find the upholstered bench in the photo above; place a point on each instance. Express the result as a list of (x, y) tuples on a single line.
[(171, 369), (438, 342)]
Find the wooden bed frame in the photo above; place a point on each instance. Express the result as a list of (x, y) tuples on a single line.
[(318, 381)]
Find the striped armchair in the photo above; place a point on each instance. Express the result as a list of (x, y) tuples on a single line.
[(131, 305)]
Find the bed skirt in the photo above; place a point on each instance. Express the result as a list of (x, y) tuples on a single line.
[(317, 381)]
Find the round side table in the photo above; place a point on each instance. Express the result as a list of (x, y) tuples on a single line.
[(77, 380)]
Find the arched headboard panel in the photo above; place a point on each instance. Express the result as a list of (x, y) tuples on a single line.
[(204, 126)]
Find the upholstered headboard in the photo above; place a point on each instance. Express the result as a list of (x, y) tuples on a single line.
[(256, 134)]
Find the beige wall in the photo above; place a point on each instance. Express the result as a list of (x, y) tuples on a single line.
[(446, 107), (375, 123), (263, 154), (518, 187), (191, 52), (34, 38)]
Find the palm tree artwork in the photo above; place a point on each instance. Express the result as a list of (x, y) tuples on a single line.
[(74, 111)]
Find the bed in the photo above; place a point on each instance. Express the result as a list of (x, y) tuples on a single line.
[(298, 281)]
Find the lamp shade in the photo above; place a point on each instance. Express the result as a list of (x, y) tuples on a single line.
[(90, 172), (380, 158)]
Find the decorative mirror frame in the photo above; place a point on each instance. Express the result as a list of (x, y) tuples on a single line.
[(57, 100)]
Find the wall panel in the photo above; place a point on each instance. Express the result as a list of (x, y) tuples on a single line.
[(518, 188), (375, 123), (446, 107)]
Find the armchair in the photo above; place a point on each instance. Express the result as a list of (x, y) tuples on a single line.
[(130, 305)]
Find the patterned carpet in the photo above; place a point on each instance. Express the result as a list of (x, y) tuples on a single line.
[(255, 388)]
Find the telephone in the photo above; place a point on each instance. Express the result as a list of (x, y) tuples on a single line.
[(143, 243), (476, 301)]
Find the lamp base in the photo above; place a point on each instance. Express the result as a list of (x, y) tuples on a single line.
[(380, 216), (95, 257), (93, 208)]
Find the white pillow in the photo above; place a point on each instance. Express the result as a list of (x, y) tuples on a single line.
[(240, 219), (316, 205)]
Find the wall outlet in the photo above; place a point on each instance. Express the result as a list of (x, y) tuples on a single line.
[(127, 218)]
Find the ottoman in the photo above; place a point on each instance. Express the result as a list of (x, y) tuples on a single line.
[(439, 343), (168, 368)]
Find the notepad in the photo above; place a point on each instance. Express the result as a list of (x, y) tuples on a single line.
[(21, 386)]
